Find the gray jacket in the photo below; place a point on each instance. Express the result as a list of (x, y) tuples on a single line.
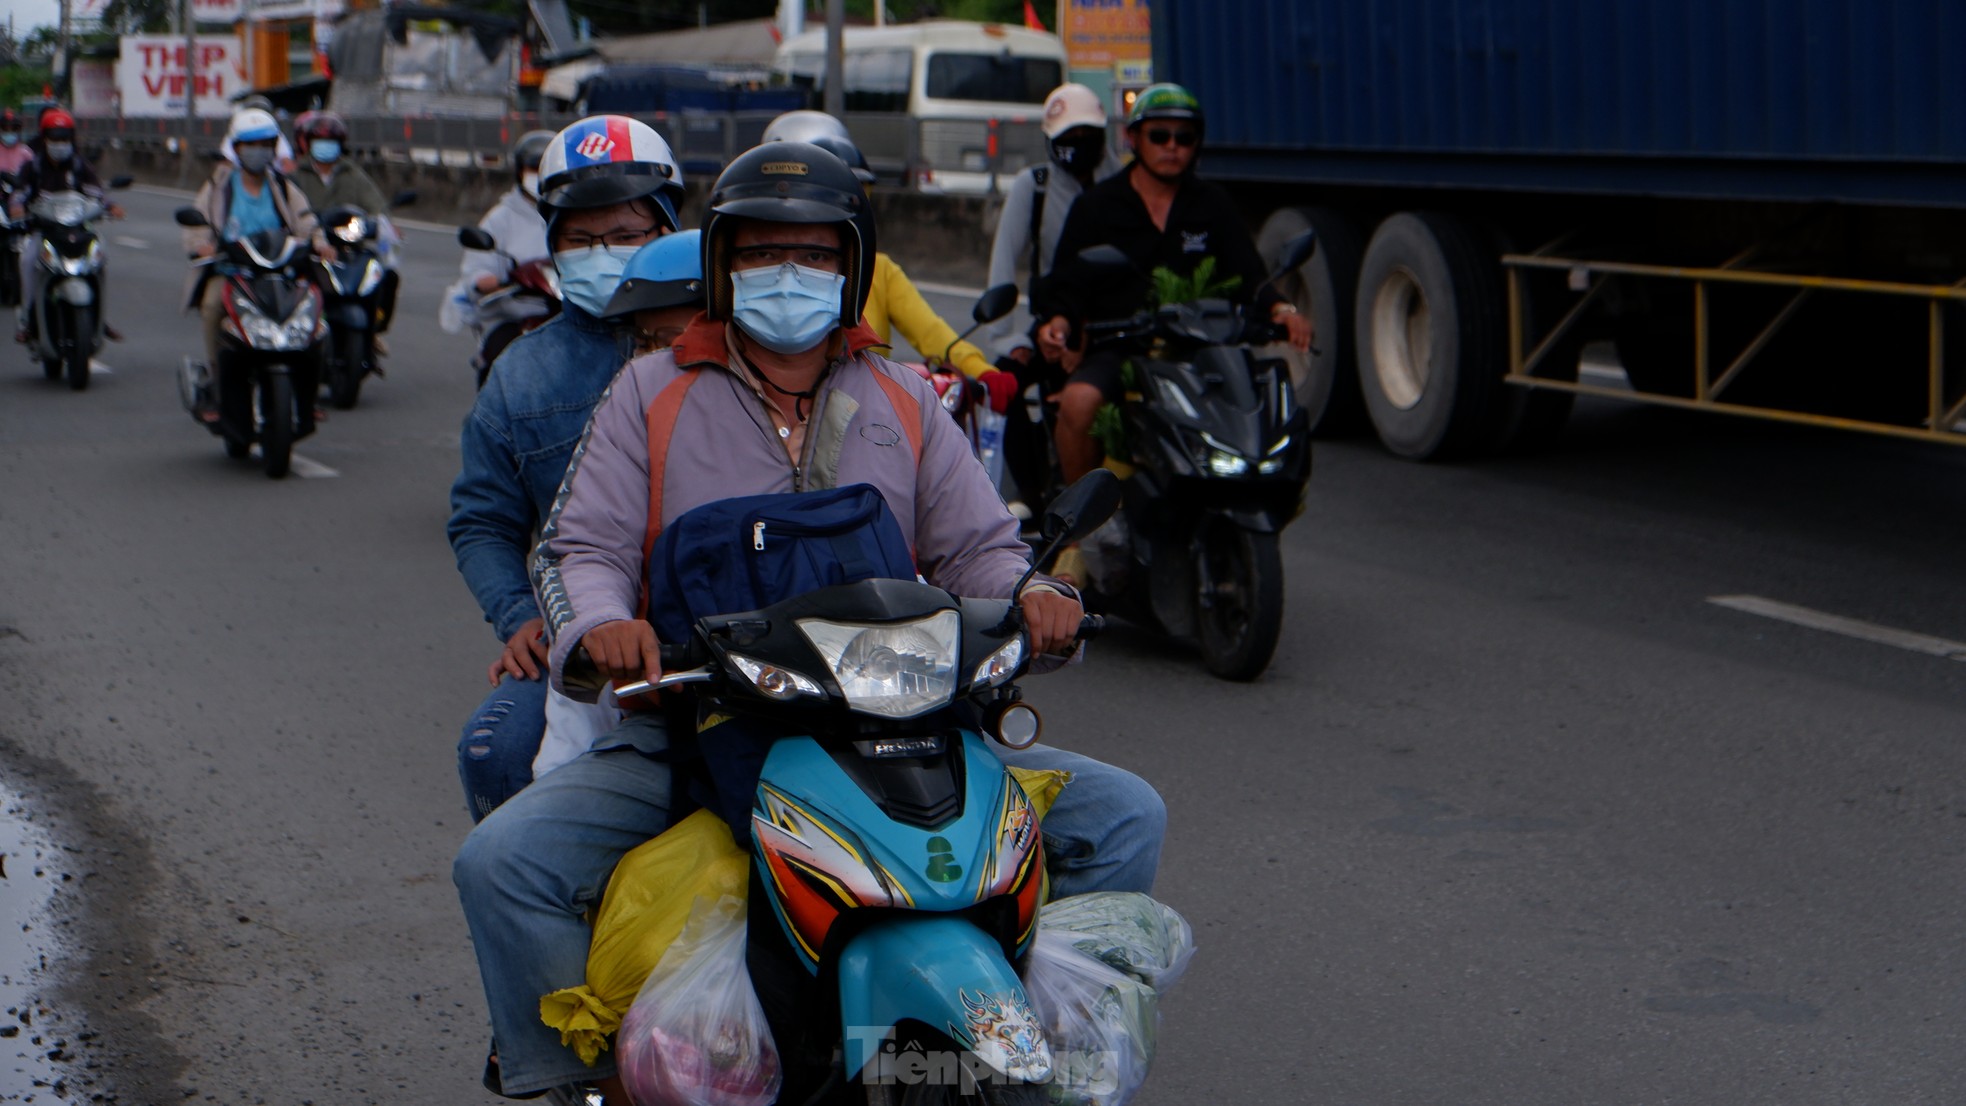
[(1011, 250)]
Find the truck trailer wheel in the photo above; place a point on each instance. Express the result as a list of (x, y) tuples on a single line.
[(1431, 335), (1323, 288)]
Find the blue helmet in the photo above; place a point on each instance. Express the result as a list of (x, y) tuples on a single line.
[(667, 272)]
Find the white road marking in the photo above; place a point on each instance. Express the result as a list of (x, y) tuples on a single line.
[(97, 368), (132, 243), (309, 469), (304, 467), (1848, 627)]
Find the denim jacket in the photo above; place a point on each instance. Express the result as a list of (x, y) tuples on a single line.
[(516, 442)]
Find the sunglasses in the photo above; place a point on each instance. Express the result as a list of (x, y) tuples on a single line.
[(1161, 136)]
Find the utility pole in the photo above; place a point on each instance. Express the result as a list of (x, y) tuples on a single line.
[(62, 65), (836, 58), (186, 159)]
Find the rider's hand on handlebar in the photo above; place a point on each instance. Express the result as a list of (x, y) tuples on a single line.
[(488, 282), (524, 655), (1052, 337), (1002, 387), (1052, 618), (624, 650), (1298, 324), (115, 211)]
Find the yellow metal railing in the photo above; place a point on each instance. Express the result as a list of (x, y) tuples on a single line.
[(1593, 278)]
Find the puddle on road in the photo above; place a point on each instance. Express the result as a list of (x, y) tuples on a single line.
[(29, 872)]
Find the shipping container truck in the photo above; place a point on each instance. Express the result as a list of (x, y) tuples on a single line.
[(1759, 204)]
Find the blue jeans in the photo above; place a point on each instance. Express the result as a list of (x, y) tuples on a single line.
[(496, 750), (530, 871)]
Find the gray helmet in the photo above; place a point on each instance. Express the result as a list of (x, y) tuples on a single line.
[(804, 126)]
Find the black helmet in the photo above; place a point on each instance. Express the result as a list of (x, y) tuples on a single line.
[(527, 151), (789, 182)]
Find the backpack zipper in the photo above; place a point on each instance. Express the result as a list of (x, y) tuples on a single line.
[(758, 536)]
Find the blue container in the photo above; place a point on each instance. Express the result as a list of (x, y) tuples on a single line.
[(1787, 99)]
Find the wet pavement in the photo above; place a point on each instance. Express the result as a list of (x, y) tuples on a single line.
[(31, 1067)]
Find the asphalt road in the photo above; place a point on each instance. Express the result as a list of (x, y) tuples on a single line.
[(1518, 815)]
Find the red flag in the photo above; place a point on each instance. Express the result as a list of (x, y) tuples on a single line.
[(1031, 19)]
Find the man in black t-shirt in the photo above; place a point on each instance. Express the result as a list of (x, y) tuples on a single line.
[(1159, 215)]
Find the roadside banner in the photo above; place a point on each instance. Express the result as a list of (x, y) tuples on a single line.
[(150, 75), (1099, 34)]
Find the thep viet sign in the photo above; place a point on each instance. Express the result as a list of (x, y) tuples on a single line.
[(151, 74)]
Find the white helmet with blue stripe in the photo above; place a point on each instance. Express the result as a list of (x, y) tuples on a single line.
[(604, 160), (252, 125)]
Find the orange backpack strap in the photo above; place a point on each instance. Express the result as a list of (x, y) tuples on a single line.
[(907, 407), (660, 419)]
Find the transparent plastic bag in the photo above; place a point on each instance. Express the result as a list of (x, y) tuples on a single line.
[(456, 311), (1101, 1023), (1132, 932), (696, 1035)]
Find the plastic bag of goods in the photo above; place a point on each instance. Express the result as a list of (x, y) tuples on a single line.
[(648, 901), (1129, 931), (696, 1035), (1101, 1023)]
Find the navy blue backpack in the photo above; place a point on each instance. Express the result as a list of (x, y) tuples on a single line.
[(739, 555)]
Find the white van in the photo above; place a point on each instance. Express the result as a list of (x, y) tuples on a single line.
[(921, 97)]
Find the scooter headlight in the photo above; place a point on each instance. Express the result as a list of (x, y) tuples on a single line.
[(999, 666), (352, 231), (295, 332), (1221, 459), (890, 669)]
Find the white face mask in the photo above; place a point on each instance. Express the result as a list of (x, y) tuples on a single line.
[(529, 183)]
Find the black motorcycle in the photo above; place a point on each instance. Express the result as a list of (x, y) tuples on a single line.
[(360, 298), (1220, 456), (269, 345), (65, 319)]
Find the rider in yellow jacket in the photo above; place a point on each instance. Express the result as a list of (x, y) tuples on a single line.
[(893, 303)]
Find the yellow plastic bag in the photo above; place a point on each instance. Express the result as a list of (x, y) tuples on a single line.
[(1041, 786), (648, 899)]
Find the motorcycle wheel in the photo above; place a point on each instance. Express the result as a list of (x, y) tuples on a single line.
[(276, 430), (1238, 600), (76, 361), (351, 352)]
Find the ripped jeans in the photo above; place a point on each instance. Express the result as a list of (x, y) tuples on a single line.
[(496, 751)]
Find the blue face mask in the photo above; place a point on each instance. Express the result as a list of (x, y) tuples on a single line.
[(589, 277), (325, 150), (787, 308), (60, 151), (10, 139)]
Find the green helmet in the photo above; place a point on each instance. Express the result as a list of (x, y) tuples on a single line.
[(1164, 101)]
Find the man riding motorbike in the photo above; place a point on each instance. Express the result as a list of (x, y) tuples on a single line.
[(519, 234), (607, 185), (57, 167), (244, 196), (1160, 215), (785, 397), (1035, 208), (328, 179)]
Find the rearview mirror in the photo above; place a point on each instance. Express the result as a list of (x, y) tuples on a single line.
[(190, 217), (1295, 252), (995, 304), (475, 238), (1082, 508), (123, 181)]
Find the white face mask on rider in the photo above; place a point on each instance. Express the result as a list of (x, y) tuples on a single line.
[(529, 183)]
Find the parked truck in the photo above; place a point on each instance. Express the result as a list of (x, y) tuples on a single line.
[(1759, 204)]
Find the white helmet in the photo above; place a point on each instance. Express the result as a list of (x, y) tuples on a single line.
[(604, 160), (252, 125), (1072, 105), (804, 126)]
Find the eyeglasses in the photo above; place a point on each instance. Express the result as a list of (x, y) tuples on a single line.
[(623, 237), (1160, 136), (798, 253)]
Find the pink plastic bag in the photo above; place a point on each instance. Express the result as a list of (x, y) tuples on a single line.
[(696, 1035)]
